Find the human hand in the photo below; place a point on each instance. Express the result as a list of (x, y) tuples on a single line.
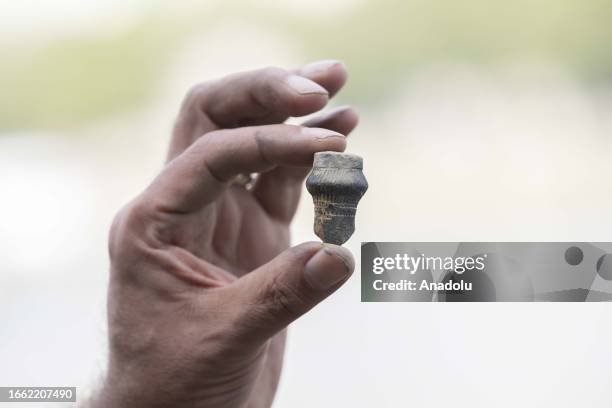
[(202, 284)]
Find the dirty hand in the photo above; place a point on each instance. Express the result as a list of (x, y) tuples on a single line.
[(202, 284)]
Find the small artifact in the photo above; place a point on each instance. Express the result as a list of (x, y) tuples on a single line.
[(336, 184)]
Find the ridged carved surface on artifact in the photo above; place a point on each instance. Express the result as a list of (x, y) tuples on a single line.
[(336, 184)]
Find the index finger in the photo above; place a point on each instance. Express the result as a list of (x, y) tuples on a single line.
[(199, 175)]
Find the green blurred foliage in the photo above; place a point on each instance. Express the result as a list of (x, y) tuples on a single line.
[(387, 39), (73, 81)]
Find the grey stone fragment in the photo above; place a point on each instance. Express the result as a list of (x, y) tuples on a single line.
[(336, 184)]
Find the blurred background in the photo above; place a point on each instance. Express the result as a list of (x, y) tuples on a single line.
[(481, 120)]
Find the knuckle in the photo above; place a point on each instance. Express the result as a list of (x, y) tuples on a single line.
[(137, 212), (127, 228), (117, 232), (196, 95), (268, 96), (269, 88)]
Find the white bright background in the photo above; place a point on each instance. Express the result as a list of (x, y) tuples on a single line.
[(521, 152)]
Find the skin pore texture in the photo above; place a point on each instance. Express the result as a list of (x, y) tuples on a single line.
[(203, 280)]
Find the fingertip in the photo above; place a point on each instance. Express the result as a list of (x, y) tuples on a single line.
[(306, 96), (324, 139), (344, 254), (322, 66), (345, 118), (350, 114), (338, 75), (307, 104), (331, 74), (342, 119), (329, 266), (320, 133), (305, 86)]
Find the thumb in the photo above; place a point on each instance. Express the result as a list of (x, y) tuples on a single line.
[(288, 286)]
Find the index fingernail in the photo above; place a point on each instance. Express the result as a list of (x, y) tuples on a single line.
[(305, 86), (320, 133)]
